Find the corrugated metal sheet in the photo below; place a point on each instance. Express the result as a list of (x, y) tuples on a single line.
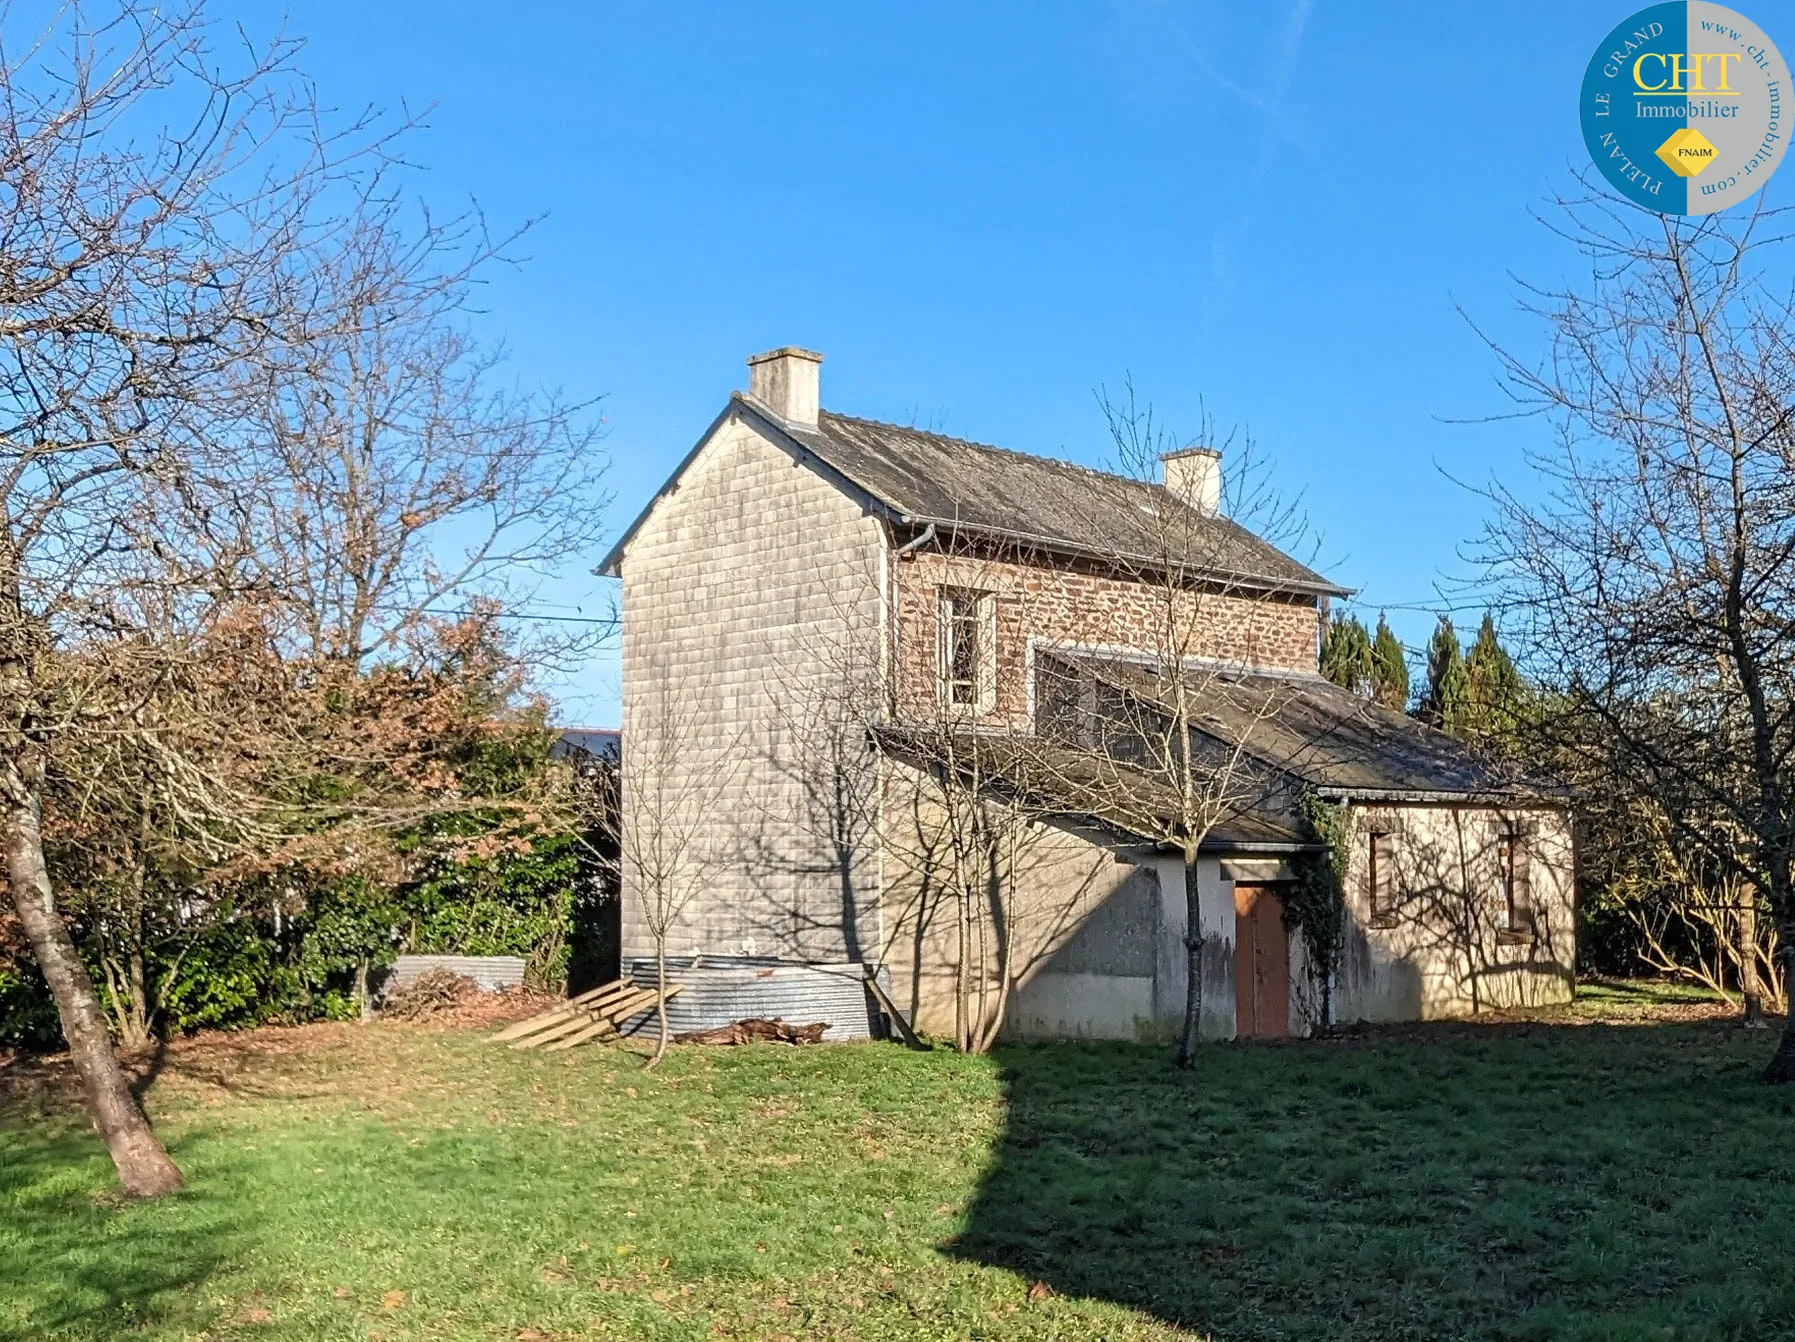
[(720, 989), (491, 972)]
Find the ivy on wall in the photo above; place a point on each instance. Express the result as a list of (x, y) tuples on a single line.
[(1316, 906)]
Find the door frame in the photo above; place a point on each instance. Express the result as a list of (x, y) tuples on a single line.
[(1261, 944)]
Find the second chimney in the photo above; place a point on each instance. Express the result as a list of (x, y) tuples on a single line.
[(786, 382), (1194, 474)]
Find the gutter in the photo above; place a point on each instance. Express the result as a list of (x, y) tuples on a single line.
[(1518, 800), (915, 543), (1198, 574)]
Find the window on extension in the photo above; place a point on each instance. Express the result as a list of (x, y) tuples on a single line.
[(1516, 860), (1380, 878)]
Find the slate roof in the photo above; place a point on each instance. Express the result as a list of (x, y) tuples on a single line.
[(1337, 741), (919, 479), (601, 743), (1087, 787)]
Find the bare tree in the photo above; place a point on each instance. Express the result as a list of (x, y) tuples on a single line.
[(671, 825), (156, 201), (1656, 576), (398, 474), (1180, 741), (967, 822)]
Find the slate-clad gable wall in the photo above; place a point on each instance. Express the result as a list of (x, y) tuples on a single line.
[(747, 590), (1057, 606)]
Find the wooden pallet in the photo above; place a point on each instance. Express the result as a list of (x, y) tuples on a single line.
[(598, 1014)]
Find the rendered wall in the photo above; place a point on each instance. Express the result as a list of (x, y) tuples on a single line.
[(1082, 927), (1447, 951)]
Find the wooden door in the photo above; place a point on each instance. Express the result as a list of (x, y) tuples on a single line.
[(1261, 964)]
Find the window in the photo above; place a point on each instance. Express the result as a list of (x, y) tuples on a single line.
[(965, 662), (1380, 879), (1516, 860)]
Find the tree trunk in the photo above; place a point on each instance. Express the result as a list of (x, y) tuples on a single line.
[(1749, 987), (962, 971), (134, 1013), (1781, 1070), (1193, 981), (143, 1166), (660, 1000)]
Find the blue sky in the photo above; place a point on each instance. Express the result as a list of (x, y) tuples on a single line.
[(981, 213)]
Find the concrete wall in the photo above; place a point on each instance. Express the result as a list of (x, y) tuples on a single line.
[(1098, 939), (751, 619), (1446, 951), (1082, 926)]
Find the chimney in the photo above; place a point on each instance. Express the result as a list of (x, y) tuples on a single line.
[(785, 382), (1194, 474)]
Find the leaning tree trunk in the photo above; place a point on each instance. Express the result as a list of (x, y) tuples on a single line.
[(1781, 1070), (143, 1166)]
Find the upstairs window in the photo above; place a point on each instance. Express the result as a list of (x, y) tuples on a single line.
[(965, 660), (1380, 878), (1516, 859)]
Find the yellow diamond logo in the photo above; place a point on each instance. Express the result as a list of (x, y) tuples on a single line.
[(1687, 152)]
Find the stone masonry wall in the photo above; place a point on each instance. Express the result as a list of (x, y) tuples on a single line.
[(1056, 606)]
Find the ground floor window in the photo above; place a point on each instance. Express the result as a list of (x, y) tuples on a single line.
[(1517, 884), (1380, 878)]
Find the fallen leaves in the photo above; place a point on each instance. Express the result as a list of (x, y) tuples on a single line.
[(392, 1300)]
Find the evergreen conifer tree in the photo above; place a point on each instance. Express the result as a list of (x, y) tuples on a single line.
[(1389, 669), (1494, 687), (1346, 654), (1446, 700)]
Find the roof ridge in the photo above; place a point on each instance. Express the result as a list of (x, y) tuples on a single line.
[(1001, 451)]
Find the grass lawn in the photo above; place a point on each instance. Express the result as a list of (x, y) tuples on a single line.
[(387, 1182)]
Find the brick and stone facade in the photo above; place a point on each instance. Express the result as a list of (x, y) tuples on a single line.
[(1044, 604)]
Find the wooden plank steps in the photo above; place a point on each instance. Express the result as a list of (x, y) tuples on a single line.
[(598, 1014), (567, 1008)]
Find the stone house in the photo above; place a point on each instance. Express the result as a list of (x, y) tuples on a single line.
[(857, 657)]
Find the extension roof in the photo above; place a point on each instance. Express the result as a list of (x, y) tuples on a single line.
[(918, 480), (1084, 787), (1338, 742)]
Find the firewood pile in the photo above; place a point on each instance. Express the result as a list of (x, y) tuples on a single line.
[(597, 1015), (755, 1030), (432, 992)]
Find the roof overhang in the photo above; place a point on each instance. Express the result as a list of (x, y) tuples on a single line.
[(1224, 578), (770, 427)]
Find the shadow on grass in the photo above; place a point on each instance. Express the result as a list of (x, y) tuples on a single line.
[(1572, 1182), (75, 1256)]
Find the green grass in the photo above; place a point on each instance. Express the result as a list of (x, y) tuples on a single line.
[(1517, 1182)]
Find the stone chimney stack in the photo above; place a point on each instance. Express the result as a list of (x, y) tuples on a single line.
[(785, 381), (1194, 474)]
